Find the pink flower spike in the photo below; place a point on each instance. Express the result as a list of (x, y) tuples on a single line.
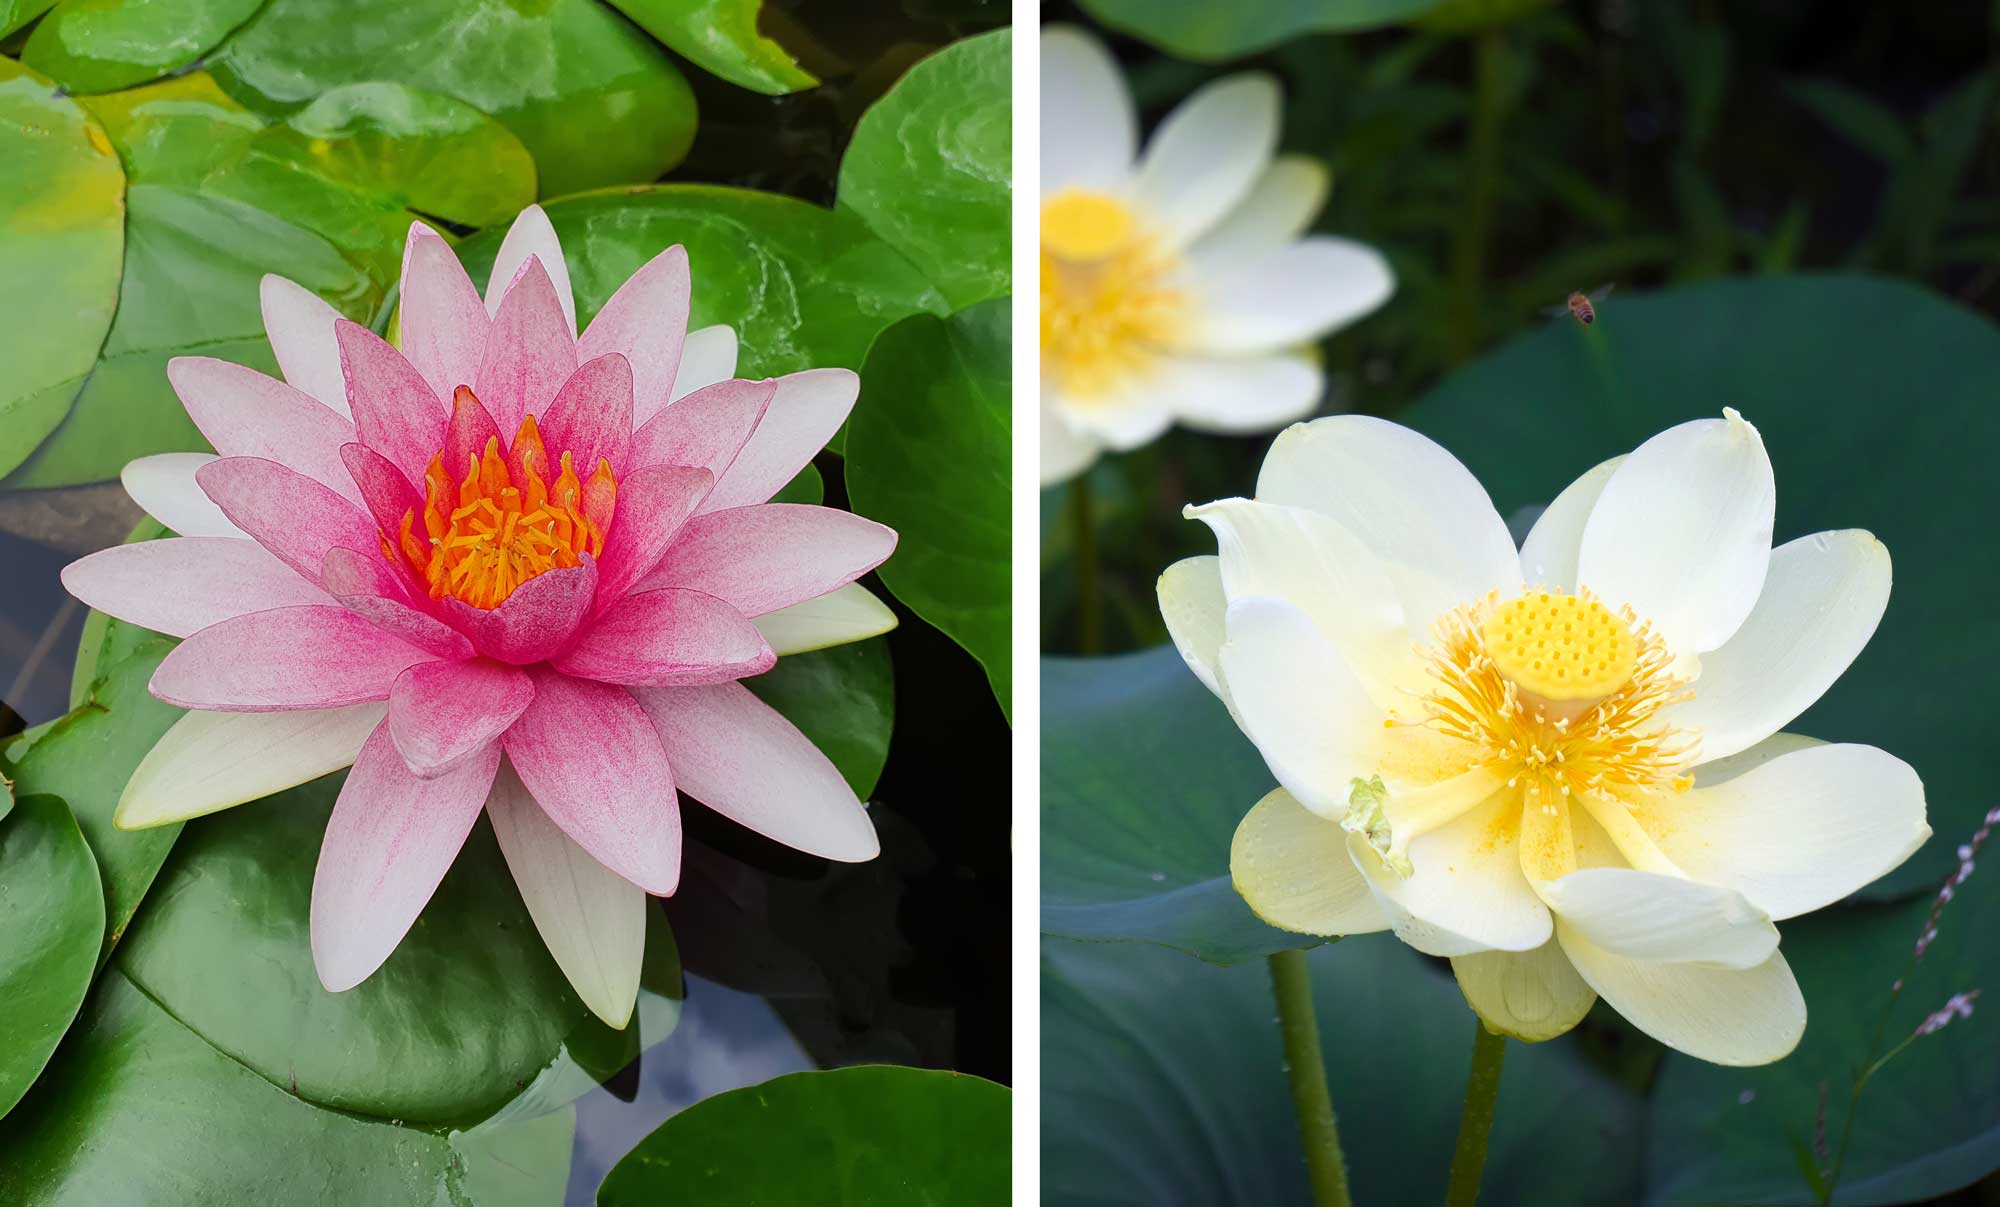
[(592, 414), (284, 659), (669, 638), (740, 757), (708, 428), (442, 714), (395, 411), (183, 585), (653, 507), (759, 559), (443, 321), (529, 352), (805, 412), (646, 320), (286, 512), (593, 762), (388, 844), (246, 414)]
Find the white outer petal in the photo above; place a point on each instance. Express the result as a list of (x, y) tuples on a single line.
[(592, 920), (1193, 605), (1204, 158), (1233, 394), (1682, 532), (1548, 556), (849, 613), (1530, 995), (211, 761), (707, 356), (300, 328), (1651, 916), (1820, 604), (1066, 452), (1089, 133), (1291, 867), (1467, 892), (1298, 703), (1726, 1016), (1280, 206), (1294, 294), (164, 485)]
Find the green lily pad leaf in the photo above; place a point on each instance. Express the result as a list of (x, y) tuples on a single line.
[(1191, 1054), (51, 925), (62, 226), (410, 150), (1832, 370), (106, 642), (1144, 779), (931, 163), (1924, 1128), (844, 699), (176, 131), (595, 100), (6, 797), (928, 453), (86, 757), (1213, 33), (16, 13), (468, 1010), (876, 1134), (721, 36), (804, 287), (91, 46), (137, 1109)]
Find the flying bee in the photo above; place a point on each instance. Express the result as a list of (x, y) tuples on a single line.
[(1581, 306)]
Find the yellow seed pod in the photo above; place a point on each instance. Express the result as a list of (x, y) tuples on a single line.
[(1560, 647)]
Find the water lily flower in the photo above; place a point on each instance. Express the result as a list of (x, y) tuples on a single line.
[(1175, 285), (505, 568), (1561, 766)]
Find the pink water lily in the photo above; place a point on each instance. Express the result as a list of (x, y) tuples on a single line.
[(506, 567)]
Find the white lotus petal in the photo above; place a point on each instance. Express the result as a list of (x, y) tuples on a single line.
[(1088, 134), (851, 613), (164, 485), (210, 761), (1727, 1016), (1548, 556), (1530, 995), (1291, 867), (1206, 155)]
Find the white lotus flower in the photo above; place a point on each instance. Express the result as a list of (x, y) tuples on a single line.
[(1175, 285), (1562, 766)]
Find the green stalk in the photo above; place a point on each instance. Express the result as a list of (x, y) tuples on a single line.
[(1326, 1169), (1089, 589), (1482, 153), (1482, 1088)]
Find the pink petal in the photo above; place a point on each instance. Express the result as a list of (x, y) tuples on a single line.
[(806, 411), (647, 321), (284, 659), (385, 492), (395, 411), (366, 586), (443, 713), (185, 584), (653, 504), (593, 762), (300, 328), (529, 352), (535, 621), (707, 356), (443, 321), (466, 434), (759, 559), (591, 416), (246, 414), (743, 759), (531, 235), (389, 842), (668, 639), (706, 429), (286, 512)]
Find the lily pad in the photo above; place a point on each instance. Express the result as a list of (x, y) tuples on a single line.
[(1164, 1083), (62, 226), (804, 287), (594, 99), (931, 165), (1212, 33), (92, 46), (1144, 779), (86, 757), (928, 453), (468, 1009), (1875, 400), (722, 37), (876, 1134), (137, 1109), (16, 13), (1928, 1124), (51, 925), (844, 699)]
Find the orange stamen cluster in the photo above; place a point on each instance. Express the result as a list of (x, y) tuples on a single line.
[(503, 522), (1616, 741)]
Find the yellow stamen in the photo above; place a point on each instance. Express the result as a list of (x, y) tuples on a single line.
[(1109, 302), (502, 523), (1079, 225)]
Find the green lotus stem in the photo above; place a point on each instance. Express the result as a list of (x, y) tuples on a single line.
[(1089, 590), (1482, 153), (1482, 1087), (1326, 1168)]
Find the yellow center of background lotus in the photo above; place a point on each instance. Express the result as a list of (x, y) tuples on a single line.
[(1108, 301), (1561, 647)]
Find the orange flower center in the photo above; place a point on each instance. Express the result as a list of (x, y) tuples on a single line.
[(503, 523)]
